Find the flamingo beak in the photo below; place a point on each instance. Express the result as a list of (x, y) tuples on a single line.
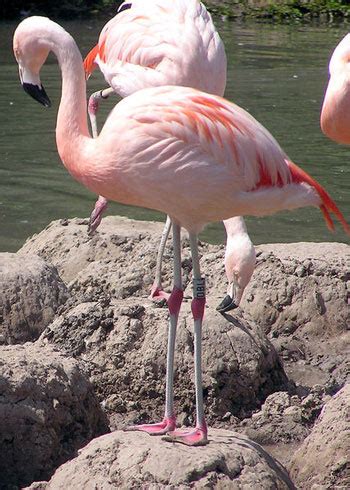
[(38, 93), (231, 300), (227, 304), (32, 85)]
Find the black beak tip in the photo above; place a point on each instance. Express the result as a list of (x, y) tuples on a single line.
[(226, 304), (38, 93)]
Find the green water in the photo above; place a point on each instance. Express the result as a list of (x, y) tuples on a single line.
[(278, 73)]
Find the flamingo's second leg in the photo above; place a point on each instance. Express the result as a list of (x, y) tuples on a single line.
[(94, 102), (101, 203), (96, 215), (198, 435), (174, 303), (157, 291)]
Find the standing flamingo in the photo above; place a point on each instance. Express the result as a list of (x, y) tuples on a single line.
[(150, 44), (194, 156), (335, 113), (162, 42)]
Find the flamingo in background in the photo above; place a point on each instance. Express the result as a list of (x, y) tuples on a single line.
[(194, 156), (163, 42), (335, 113)]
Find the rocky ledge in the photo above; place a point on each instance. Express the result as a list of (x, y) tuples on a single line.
[(90, 358)]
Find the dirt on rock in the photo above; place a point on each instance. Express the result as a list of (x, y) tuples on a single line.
[(323, 460), (47, 411), (31, 292), (300, 296)]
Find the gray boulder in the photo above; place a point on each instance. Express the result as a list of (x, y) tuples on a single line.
[(66, 245), (299, 295), (323, 461), (31, 292), (47, 411), (300, 286)]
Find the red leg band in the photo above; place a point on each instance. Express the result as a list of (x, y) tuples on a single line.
[(175, 300), (197, 307)]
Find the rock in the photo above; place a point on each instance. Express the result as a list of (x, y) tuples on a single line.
[(126, 460), (284, 421), (276, 404), (47, 411), (30, 294), (124, 350), (118, 262), (299, 295), (279, 422), (322, 461), (305, 285), (67, 245)]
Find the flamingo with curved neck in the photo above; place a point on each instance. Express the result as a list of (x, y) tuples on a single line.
[(194, 156)]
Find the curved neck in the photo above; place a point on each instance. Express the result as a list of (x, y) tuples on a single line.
[(72, 113), (235, 226), (72, 128)]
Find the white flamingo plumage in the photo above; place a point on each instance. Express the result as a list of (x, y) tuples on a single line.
[(189, 154)]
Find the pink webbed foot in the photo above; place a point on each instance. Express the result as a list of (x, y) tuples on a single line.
[(96, 215), (158, 293), (191, 437), (158, 429)]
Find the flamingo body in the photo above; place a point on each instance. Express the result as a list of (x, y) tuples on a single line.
[(160, 42), (335, 113), (180, 149)]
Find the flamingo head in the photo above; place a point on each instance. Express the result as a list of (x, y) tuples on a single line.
[(31, 52), (239, 267)]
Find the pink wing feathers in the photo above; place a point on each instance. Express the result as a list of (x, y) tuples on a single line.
[(271, 171), (89, 62), (160, 43), (245, 154), (328, 205)]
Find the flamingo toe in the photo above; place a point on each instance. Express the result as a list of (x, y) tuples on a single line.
[(189, 437)]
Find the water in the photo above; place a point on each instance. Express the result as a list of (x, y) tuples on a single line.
[(278, 73)]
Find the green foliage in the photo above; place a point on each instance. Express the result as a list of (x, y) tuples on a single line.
[(55, 9), (268, 9), (286, 10)]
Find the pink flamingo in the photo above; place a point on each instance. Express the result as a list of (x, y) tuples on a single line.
[(335, 113), (194, 156), (150, 44), (155, 43)]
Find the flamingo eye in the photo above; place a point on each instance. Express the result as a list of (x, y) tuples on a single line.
[(124, 6)]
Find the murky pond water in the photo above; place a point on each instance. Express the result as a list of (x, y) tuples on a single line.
[(278, 73)]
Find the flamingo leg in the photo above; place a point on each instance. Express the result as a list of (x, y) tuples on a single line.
[(157, 291), (174, 303), (96, 215), (198, 435), (94, 102), (101, 203)]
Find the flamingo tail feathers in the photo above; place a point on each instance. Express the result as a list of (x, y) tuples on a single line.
[(89, 61), (328, 205)]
